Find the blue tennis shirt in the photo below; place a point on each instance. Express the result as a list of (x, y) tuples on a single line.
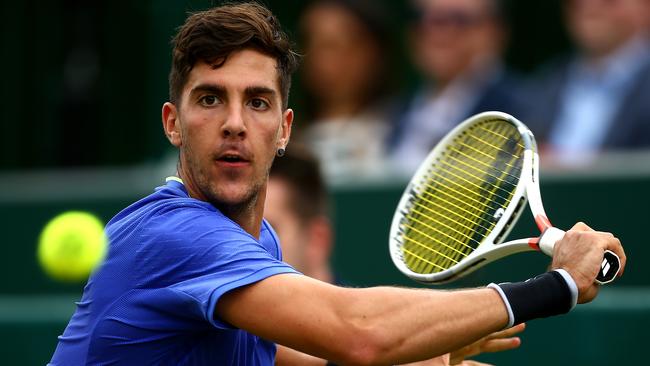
[(171, 258)]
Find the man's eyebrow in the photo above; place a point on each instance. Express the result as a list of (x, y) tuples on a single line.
[(209, 88), (260, 90), (221, 90)]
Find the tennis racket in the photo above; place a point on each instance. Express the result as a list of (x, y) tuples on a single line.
[(465, 198)]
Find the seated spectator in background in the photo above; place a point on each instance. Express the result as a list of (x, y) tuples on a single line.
[(457, 47), (599, 97), (297, 207), (345, 77)]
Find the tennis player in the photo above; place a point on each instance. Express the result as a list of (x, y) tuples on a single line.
[(194, 274)]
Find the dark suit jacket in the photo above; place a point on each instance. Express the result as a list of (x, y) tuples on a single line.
[(503, 94), (631, 126)]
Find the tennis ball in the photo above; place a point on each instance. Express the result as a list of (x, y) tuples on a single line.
[(71, 245)]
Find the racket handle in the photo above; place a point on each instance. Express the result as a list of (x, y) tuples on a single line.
[(609, 267)]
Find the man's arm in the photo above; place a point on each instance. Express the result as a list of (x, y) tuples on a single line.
[(495, 342), (386, 325), (380, 325)]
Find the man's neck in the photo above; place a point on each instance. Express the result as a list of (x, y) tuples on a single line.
[(625, 55), (248, 215)]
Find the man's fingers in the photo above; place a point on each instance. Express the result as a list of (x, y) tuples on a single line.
[(501, 344), (495, 342), (588, 294), (623, 258), (581, 226), (605, 240), (508, 332), (616, 247), (614, 244)]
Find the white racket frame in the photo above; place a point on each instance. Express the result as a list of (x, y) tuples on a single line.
[(492, 247)]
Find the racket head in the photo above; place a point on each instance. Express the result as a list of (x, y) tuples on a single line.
[(464, 199)]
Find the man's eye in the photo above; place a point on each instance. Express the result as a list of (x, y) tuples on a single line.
[(259, 104), (209, 100)]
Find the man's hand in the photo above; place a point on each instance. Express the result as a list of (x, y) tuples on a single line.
[(495, 342), (580, 253)]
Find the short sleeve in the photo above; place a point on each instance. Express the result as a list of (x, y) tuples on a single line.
[(270, 240), (201, 255)]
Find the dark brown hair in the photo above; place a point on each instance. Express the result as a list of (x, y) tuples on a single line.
[(211, 35), (301, 171)]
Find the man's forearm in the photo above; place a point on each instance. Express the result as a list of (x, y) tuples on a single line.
[(380, 325), (409, 325)]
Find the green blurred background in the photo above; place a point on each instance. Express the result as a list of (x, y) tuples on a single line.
[(82, 87)]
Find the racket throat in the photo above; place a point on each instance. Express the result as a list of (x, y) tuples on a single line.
[(543, 223), (534, 243)]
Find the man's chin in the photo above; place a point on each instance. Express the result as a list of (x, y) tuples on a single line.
[(231, 199)]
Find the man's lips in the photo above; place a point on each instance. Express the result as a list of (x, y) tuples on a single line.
[(232, 159), (232, 164)]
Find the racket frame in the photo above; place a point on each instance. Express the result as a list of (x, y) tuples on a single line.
[(492, 246)]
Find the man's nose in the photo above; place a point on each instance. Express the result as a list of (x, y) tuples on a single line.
[(234, 125)]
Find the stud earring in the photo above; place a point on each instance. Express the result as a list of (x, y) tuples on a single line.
[(280, 152)]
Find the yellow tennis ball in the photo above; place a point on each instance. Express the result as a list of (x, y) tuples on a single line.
[(71, 245)]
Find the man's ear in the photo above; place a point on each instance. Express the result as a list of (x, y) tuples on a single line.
[(285, 129), (171, 123)]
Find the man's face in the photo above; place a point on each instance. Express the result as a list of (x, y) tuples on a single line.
[(228, 127), (342, 59), (453, 34), (600, 26)]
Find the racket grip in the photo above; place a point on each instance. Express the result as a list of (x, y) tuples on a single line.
[(609, 267)]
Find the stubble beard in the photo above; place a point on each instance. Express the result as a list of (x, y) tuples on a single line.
[(230, 207), (233, 208)]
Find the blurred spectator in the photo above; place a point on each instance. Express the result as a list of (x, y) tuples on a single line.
[(598, 97), (296, 205), (457, 47), (345, 76), (297, 208)]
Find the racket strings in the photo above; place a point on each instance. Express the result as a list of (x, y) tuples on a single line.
[(482, 163), (506, 137), (442, 233), (469, 215), (486, 142), (460, 219), (476, 178), (460, 200), (459, 196)]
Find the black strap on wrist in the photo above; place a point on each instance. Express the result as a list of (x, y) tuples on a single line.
[(539, 297)]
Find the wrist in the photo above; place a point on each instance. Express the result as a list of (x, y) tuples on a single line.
[(551, 293), (573, 287), (506, 302)]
